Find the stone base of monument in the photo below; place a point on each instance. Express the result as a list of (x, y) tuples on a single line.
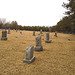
[(8, 32), (47, 41), (4, 38), (38, 48), (29, 61)]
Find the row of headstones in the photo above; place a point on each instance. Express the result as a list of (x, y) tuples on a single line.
[(34, 32), (29, 50), (4, 35), (47, 34)]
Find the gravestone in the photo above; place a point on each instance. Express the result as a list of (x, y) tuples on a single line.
[(4, 35), (16, 30), (40, 31), (33, 33), (20, 32), (29, 55), (38, 46), (49, 29), (55, 34), (47, 38), (9, 31)]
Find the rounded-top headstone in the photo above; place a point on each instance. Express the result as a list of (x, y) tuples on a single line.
[(29, 55), (38, 46), (33, 33), (38, 40), (9, 31), (41, 31), (47, 35), (47, 38), (4, 35)]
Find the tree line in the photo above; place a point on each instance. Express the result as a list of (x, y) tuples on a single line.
[(66, 24), (14, 25)]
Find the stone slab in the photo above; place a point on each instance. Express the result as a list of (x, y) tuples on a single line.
[(29, 61), (4, 38), (38, 48), (47, 41)]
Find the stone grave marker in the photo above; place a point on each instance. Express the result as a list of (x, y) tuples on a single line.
[(49, 29), (33, 33), (38, 46), (16, 30), (55, 34), (4, 35), (9, 31), (47, 38), (29, 55), (40, 31), (20, 32)]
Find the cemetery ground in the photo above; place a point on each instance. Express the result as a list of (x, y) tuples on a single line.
[(57, 57)]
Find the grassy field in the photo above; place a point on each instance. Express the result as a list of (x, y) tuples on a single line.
[(57, 58)]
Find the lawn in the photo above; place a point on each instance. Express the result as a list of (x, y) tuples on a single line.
[(57, 58)]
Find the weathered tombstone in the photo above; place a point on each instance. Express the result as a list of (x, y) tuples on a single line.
[(55, 34), (40, 31), (33, 33), (47, 38), (4, 35), (9, 31), (49, 29), (29, 55), (20, 32), (16, 30), (38, 46)]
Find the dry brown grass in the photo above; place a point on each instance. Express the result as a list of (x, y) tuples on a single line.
[(57, 58)]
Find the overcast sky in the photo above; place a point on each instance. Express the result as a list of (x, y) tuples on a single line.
[(32, 12)]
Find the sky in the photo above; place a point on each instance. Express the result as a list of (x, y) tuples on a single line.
[(32, 12)]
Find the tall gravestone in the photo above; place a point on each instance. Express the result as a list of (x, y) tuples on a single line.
[(16, 30), (49, 29), (33, 33), (47, 38), (4, 35), (38, 46), (29, 55), (9, 31), (40, 31)]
